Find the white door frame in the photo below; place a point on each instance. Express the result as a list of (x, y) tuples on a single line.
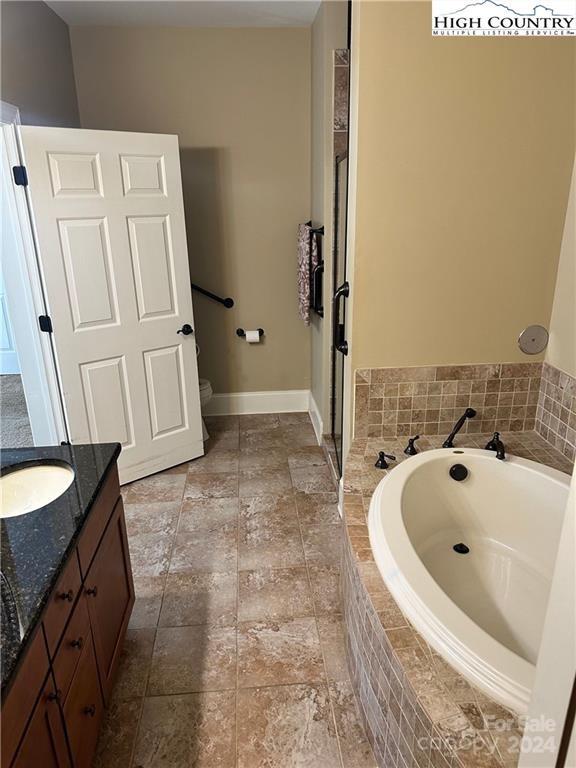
[(25, 296)]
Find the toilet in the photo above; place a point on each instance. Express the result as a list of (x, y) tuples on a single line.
[(205, 397)]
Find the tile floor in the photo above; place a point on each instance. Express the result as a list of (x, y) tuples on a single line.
[(234, 656)]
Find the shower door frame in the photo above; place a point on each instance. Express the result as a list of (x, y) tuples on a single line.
[(338, 280)]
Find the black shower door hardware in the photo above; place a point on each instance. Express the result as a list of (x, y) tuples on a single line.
[(317, 283), (338, 328), (317, 272), (228, 303)]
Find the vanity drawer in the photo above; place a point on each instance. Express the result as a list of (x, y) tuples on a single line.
[(76, 636), (61, 603), (98, 520)]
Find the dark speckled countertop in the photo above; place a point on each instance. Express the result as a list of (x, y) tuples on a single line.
[(35, 546)]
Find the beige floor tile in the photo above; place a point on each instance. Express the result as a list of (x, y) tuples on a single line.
[(216, 459), (354, 747), (134, 664), (279, 653), (264, 458), (259, 482), (223, 441), (257, 421), (149, 591), (199, 598), (222, 423), (149, 554), (312, 479), (317, 508), (299, 435), (269, 437), (159, 517), (322, 544), (191, 659), (206, 550), (207, 514), (267, 593), (286, 727), (325, 584), (161, 487), (274, 508), (298, 417), (269, 534), (187, 731), (211, 485), (306, 456), (331, 632), (118, 734)]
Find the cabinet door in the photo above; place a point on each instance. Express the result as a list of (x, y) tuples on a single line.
[(83, 709), (44, 743), (110, 592)]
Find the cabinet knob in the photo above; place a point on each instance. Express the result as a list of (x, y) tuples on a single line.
[(79, 643), (55, 695), (92, 591), (66, 595), (90, 711)]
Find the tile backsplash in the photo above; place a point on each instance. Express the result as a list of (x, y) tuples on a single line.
[(556, 411), (427, 400)]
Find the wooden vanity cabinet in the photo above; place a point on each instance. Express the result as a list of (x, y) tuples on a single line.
[(110, 595), (44, 743), (83, 708), (76, 650)]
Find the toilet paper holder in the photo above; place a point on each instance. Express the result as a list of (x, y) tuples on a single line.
[(242, 332)]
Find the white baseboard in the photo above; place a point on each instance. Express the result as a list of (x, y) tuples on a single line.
[(316, 418), (236, 403)]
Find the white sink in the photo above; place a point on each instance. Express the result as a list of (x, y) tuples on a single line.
[(29, 488)]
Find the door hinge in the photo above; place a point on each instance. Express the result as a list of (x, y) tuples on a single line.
[(45, 323), (20, 175)]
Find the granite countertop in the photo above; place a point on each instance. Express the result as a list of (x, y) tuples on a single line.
[(34, 547)]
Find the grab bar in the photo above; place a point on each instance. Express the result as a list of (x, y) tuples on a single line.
[(228, 303)]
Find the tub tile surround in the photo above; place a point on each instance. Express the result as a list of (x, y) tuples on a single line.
[(417, 711), (556, 411), (427, 400), (235, 654)]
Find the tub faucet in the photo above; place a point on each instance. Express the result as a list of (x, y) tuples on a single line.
[(495, 444), (469, 413)]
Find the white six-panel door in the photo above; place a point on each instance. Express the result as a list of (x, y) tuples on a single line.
[(109, 218)]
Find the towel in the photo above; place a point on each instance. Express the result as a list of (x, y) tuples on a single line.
[(307, 260)]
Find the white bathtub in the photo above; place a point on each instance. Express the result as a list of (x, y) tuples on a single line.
[(482, 611)]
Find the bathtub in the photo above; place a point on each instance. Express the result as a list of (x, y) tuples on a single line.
[(482, 610)]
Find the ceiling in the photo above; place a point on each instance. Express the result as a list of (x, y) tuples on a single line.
[(187, 13)]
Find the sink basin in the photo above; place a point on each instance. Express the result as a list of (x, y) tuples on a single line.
[(25, 489)]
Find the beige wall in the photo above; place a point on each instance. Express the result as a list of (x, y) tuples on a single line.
[(562, 347), (465, 149), (36, 63), (239, 100), (329, 32)]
